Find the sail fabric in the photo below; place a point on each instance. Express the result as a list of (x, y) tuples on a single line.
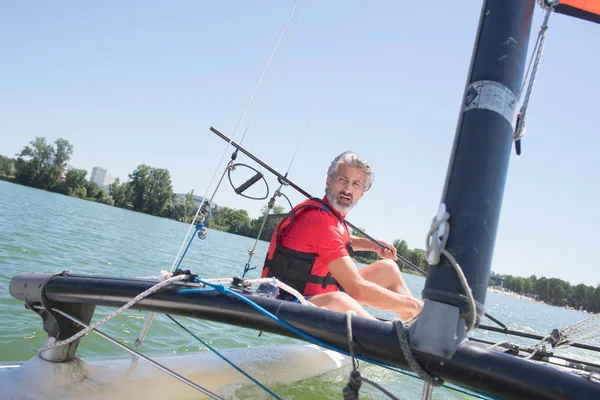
[(583, 9)]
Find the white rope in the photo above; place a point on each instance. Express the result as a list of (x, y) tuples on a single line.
[(128, 305), (498, 344), (295, 293), (259, 281), (435, 247), (538, 347)]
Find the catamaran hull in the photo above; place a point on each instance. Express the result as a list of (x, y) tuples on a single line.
[(132, 378)]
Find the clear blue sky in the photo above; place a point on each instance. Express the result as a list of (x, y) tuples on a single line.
[(131, 82)]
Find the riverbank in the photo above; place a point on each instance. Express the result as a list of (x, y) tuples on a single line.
[(529, 298), (515, 295)]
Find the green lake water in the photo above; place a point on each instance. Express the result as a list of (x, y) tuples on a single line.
[(47, 232)]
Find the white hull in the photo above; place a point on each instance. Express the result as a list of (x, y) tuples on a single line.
[(131, 378)]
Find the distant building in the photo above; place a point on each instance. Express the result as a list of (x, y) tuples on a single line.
[(65, 170), (102, 178)]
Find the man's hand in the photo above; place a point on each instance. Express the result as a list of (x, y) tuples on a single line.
[(388, 252), (364, 244)]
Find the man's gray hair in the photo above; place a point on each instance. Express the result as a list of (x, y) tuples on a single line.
[(352, 159)]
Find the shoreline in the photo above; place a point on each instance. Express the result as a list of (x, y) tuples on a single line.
[(513, 294), (529, 298)]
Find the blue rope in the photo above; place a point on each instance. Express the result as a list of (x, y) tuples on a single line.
[(224, 358), (222, 289), (247, 269), (184, 252), (199, 227)]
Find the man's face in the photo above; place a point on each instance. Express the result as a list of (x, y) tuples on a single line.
[(346, 188)]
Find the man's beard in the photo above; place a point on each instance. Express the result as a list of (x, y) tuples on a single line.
[(342, 206)]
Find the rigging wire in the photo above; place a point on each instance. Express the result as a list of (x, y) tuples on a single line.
[(238, 124), (528, 81), (208, 346), (148, 322), (278, 192), (273, 73), (325, 84)]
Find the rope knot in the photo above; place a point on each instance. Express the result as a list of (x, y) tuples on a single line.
[(350, 392), (437, 236), (221, 288)]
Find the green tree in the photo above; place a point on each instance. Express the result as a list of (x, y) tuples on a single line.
[(270, 224), (80, 192), (595, 303), (159, 193), (34, 164), (230, 220), (61, 155), (182, 209), (402, 248), (190, 206), (40, 164), (152, 190), (541, 288), (121, 194), (101, 196), (75, 180), (417, 257), (7, 167), (92, 189), (177, 210), (578, 297), (140, 181), (527, 286)]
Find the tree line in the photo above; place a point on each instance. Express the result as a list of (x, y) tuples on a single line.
[(43, 165), (552, 291)]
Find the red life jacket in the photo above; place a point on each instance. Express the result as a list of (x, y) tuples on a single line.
[(296, 268)]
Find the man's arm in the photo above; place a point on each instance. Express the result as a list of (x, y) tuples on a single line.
[(371, 294), (364, 244)]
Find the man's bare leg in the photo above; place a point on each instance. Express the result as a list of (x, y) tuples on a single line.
[(387, 274), (339, 301), (384, 273)]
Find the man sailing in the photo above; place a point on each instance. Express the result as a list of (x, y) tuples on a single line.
[(312, 250)]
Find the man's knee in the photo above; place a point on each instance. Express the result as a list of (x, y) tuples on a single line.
[(338, 301), (387, 265), (341, 302)]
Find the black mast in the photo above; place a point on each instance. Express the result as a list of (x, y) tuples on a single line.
[(478, 165)]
